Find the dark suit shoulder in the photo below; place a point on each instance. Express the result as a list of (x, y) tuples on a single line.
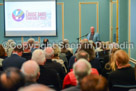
[(74, 88)]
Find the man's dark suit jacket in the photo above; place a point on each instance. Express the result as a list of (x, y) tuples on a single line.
[(55, 66), (49, 78), (13, 61)]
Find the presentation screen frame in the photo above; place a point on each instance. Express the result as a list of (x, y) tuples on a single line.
[(23, 34)]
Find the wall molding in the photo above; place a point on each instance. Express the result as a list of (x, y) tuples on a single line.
[(133, 60), (111, 19), (62, 4), (97, 13), (117, 21), (129, 26)]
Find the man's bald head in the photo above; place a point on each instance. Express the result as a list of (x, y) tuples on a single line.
[(31, 70), (92, 29), (39, 56), (36, 87), (81, 68), (49, 52), (82, 54)]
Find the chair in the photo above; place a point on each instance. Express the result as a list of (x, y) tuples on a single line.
[(122, 87)]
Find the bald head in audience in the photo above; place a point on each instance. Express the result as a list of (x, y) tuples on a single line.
[(36, 87), (121, 58), (49, 52), (39, 56), (94, 83), (31, 71), (81, 69), (82, 54)]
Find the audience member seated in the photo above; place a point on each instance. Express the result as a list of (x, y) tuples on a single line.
[(94, 83), (47, 76), (36, 87), (10, 45), (64, 58), (3, 54), (56, 56), (70, 79), (49, 53), (67, 42), (45, 44), (72, 59), (31, 71), (15, 60), (99, 46), (81, 69), (31, 44), (110, 66), (64, 49), (124, 74), (11, 80), (95, 62), (27, 52)]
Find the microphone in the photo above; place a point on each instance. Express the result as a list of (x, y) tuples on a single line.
[(86, 34)]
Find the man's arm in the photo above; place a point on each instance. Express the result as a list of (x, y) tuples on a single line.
[(98, 38), (88, 36)]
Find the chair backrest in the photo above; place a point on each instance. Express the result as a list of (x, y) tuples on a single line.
[(122, 87)]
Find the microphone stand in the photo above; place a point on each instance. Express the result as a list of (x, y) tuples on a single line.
[(82, 37)]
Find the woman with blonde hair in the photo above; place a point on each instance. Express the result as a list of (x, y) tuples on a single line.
[(111, 65), (56, 56)]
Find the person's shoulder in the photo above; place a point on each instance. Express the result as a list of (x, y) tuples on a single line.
[(56, 63), (74, 88), (114, 73), (96, 33), (47, 70)]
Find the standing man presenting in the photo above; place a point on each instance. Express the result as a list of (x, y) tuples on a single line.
[(92, 35)]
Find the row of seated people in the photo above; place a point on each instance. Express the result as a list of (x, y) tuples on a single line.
[(51, 53)]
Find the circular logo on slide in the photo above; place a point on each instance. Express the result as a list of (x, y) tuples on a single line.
[(18, 15)]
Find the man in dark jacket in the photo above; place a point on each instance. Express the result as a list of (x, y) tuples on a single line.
[(48, 76), (15, 60)]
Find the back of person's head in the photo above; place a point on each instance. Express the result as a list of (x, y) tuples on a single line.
[(112, 63), (10, 43), (45, 41), (2, 51), (89, 49), (11, 79), (81, 69), (56, 50), (26, 47), (18, 48), (94, 83), (31, 41), (66, 41), (36, 87), (121, 58), (31, 71), (82, 54), (39, 56), (49, 52)]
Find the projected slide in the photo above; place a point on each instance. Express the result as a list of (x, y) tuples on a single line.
[(30, 18)]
